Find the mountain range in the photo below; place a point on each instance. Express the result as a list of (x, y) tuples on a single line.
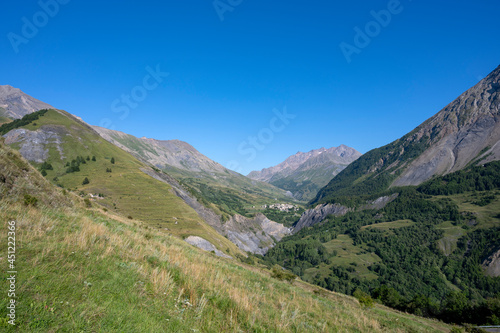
[(197, 197), (303, 174), (413, 224)]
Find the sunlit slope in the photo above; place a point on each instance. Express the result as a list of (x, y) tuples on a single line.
[(125, 189)]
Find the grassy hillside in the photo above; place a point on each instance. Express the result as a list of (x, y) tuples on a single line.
[(224, 191), (80, 269), (123, 187)]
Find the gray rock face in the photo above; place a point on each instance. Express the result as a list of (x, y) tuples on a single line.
[(458, 133), (491, 264), (381, 202), (317, 214), (255, 235), (16, 104), (34, 143), (205, 245), (169, 153)]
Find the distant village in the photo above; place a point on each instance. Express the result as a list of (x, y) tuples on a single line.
[(284, 207)]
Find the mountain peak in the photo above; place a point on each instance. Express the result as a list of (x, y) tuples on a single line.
[(314, 167), (15, 104), (465, 131)]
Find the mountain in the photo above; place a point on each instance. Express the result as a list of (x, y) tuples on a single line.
[(14, 104), (84, 269), (163, 154), (304, 174), (227, 191), (68, 151), (466, 131), (191, 200)]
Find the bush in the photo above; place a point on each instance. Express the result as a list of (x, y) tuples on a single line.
[(363, 298), (281, 274), (85, 181), (93, 159), (112, 160), (130, 217), (87, 202), (30, 200), (44, 173)]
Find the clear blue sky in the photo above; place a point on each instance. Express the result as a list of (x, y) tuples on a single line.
[(227, 76)]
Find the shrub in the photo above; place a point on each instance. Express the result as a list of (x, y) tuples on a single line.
[(44, 173), (363, 298), (130, 217), (30, 200), (279, 273), (87, 202), (112, 160), (85, 181), (93, 159)]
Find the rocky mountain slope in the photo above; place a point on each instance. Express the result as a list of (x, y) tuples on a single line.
[(163, 153), (133, 188), (304, 174), (225, 190), (466, 131), (15, 104)]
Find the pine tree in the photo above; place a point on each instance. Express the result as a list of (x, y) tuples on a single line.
[(112, 160), (85, 181)]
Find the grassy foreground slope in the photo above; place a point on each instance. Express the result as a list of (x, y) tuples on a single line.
[(81, 269), (125, 188)]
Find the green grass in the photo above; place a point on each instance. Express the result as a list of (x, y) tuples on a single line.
[(348, 253), (482, 217), (388, 226), (452, 234), (4, 120)]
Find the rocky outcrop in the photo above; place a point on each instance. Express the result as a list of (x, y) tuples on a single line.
[(491, 264), (381, 202), (255, 235), (15, 104), (205, 245), (317, 214), (33, 144)]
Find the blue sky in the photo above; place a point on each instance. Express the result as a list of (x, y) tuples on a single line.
[(227, 79)]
